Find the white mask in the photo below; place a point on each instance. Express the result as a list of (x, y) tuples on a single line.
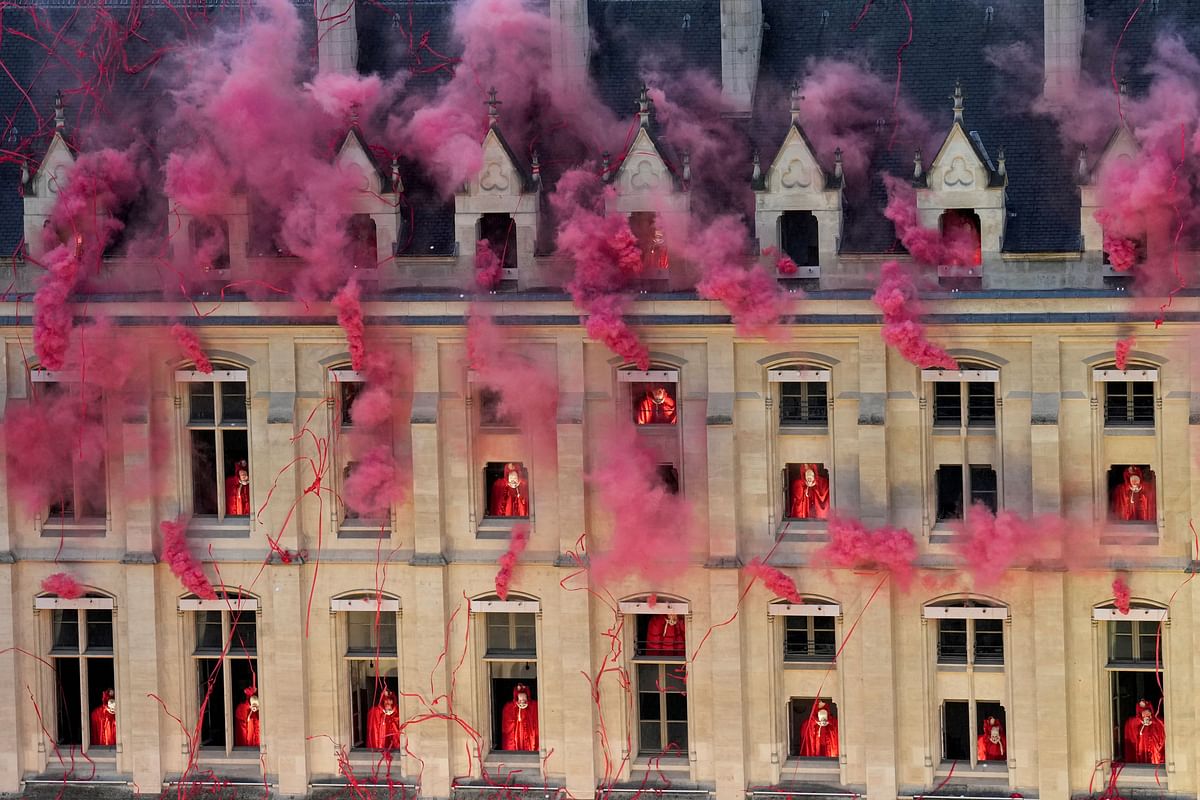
[(822, 718), (672, 619), (111, 705), (254, 703), (522, 701)]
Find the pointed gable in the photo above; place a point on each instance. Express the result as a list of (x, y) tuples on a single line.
[(354, 154), (644, 171), (53, 171), (961, 165), (795, 169), (1121, 146), (501, 173)]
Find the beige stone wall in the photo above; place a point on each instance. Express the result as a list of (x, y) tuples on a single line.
[(880, 450)]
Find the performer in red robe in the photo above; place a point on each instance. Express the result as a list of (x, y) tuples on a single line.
[(657, 407), (963, 239), (519, 721), (383, 723), (810, 494), (665, 635), (510, 494), (237, 491), (104, 720), (657, 256), (1145, 736), (247, 728), (819, 734), (1133, 500), (991, 744)]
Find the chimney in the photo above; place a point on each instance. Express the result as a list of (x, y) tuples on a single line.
[(570, 40), (741, 43), (1063, 34), (337, 37)]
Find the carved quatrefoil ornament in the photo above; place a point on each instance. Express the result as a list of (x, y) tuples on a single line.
[(959, 173), (493, 178), (644, 178), (797, 175)]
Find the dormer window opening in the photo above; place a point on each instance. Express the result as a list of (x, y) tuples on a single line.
[(798, 237), (499, 231), (210, 243), (364, 251), (961, 235), (651, 240)]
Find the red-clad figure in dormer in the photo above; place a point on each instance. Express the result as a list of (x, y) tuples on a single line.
[(509, 494), (665, 635), (819, 734), (519, 721), (104, 720), (383, 723), (1133, 499), (657, 407), (810, 494)]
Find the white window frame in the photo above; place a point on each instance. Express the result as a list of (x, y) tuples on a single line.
[(359, 526), (634, 662), (1102, 620), (47, 524), (189, 610), (340, 608), (81, 605), (479, 611), (183, 378)]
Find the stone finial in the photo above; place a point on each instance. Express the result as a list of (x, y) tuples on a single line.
[(24, 172), (1123, 88), (1001, 169), (493, 108), (535, 169), (918, 168), (756, 172), (1081, 165), (60, 114), (397, 184), (354, 109), (957, 97), (687, 167), (796, 98), (605, 161), (837, 163), (644, 105)]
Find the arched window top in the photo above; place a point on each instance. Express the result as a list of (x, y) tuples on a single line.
[(382, 602), (813, 606), (1140, 610), (227, 600), (93, 598), (799, 359), (515, 603), (965, 607), (654, 603)]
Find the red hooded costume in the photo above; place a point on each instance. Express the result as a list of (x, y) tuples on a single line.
[(510, 494), (383, 723), (237, 494), (819, 734), (665, 635), (810, 494), (657, 408), (519, 726), (1145, 736), (104, 720), (247, 728), (1133, 500), (991, 744)]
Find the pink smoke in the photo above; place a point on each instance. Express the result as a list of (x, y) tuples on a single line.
[(990, 544), (189, 343), (783, 262), (652, 529), (183, 564), (508, 561), (350, 318), (607, 260), (956, 245), (896, 297), (1123, 348), (852, 546), (377, 479), (199, 180), (488, 267), (755, 299), (1121, 594), (83, 222), (775, 580), (62, 584)]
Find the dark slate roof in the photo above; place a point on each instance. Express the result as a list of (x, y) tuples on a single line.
[(948, 43), (1106, 19)]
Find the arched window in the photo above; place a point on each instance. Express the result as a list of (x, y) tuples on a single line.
[(82, 712), (215, 408), (510, 660), (1135, 671), (224, 637), (367, 623)]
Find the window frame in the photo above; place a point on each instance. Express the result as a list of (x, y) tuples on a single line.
[(48, 524), (227, 605), (1141, 614), (1129, 377), (184, 379), (481, 611), (970, 612), (967, 374), (801, 374), (341, 610), (791, 707), (813, 255), (636, 659), (813, 648), (82, 607), (966, 489), (974, 715), (340, 426)]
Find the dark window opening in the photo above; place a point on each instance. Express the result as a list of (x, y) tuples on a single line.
[(662, 709), (651, 240), (804, 403), (210, 243), (506, 487), (661, 636), (265, 235), (970, 641), (1129, 403), (347, 393), (798, 238), (809, 639), (981, 403), (813, 728), (1132, 493), (83, 678), (949, 483), (499, 232), (806, 491), (654, 403), (375, 691), (508, 680), (989, 641), (961, 236), (491, 410), (1123, 254), (956, 730), (1137, 696), (220, 452), (82, 492), (983, 487), (668, 476), (364, 252), (948, 408), (947, 404), (952, 641)]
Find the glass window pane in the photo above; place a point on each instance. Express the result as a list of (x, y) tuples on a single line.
[(498, 632), (651, 737), (676, 707), (649, 706), (66, 630), (70, 704), (947, 404), (233, 402), (952, 641), (526, 632), (99, 631), (677, 738), (348, 392), (204, 472), (209, 637), (244, 640), (981, 403), (989, 641), (1121, 641), (200, 403), (210, 700)]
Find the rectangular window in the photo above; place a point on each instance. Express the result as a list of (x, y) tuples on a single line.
[(798, 237), (668, 475), (491, 410), (506, 487), (981, 404), (1132, 493), (81, 494), (806, 491), (500, 233), (956, 730), (661, 636), (949, 492), (662, 709), (980, 407), (511, 661), (227, 679), (218, 435), (654, 403), (1133, 642), (947, 404), (804, 403), (809, 639), (373, 669), (81, 654), (983, 487), (970, 641), (1129, 404), (1138, 716), (813, 728)]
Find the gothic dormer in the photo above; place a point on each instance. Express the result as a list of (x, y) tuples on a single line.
[(42, 187), (499, 207), (798, 205), (374, 225), (963, 186), (1121, 147)]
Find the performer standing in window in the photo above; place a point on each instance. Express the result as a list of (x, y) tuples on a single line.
[(247, 728), (1133, 499), (510, 494), (665, 635), (383, 723), (810, 494), (991, 744), (237, 491), (1145, 736), (819, 735), (519, 721), (656, 408), (104, 720)]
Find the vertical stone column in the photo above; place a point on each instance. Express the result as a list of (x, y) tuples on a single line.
[(872, 436), (1047, 391), (1051, 686), (877, 701), (273, 460), (722, 459), (729, 682), (285, 676), (425, 616), (741, 43), (1063, 27), (140, 723), (10, 749), (570, 42), (426, 452), (337, 37), (571, 487)]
